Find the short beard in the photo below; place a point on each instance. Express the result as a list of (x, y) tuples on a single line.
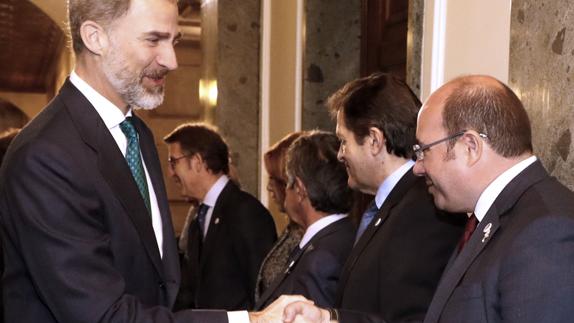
[(129, 84)]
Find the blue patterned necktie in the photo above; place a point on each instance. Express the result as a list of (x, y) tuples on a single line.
[(201, 213), (366, 219), (133, 157)]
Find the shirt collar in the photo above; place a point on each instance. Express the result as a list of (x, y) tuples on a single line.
[(390, 182), (318, 225), (109, 112), (492, 191), (215, 190)]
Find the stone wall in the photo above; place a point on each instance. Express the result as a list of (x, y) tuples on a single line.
[(541, 67), (414, 44), (331, 57), (231, 56)]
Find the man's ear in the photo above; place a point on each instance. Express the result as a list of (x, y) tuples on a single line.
[(300, 189), (473, 146), (376, 140), (196, 163), (94, 37)]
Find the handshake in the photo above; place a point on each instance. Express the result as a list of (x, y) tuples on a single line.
[(291, 309)]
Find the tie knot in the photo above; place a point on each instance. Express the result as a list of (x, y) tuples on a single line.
[(128, 128), (372, 210), (469, 228), (471, 224), (202, 210)]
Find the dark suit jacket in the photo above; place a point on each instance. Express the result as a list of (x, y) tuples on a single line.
[(394, 268), (78, 239), (240, 234), (314, 272), (523, 270)]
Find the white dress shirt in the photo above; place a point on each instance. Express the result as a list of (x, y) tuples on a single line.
[(112, 117), (492, 191)]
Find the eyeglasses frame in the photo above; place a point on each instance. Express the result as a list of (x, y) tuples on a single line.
[(172, 161), (419, 150)]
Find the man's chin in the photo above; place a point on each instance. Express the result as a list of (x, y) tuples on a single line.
[(352, 183), (148, 102)]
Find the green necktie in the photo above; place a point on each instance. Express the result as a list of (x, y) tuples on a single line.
[(133, 157)]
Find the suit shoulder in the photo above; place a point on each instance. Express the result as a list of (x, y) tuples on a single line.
[(338, 238), (239, 200), (546, 201), (551, 197)]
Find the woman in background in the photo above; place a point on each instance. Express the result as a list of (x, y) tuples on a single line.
[(276, 260)]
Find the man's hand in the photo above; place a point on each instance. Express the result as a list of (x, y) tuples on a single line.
[(305, 312), (274, 312)]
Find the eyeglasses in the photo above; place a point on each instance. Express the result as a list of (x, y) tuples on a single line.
[(420, 150), (173, 160)]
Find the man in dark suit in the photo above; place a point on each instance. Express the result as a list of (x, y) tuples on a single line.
[(403, 243), (317, 198), (85, 222), (232, 231), (475, 151)]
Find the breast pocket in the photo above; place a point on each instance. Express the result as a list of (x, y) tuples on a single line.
[(466, 304)]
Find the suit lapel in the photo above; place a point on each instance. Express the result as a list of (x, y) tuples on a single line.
[(484, 233), (406, 182), (217, 217), (112, 166), (459, 264), (330, 229), (151, 159)]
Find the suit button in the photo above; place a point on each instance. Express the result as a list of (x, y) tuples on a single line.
[(161, 285)]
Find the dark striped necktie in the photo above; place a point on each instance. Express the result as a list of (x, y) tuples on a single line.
[(133, 158)]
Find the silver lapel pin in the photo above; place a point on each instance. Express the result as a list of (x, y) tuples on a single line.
[(486, 232), (216, 220)]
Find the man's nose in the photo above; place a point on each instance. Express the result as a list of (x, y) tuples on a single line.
[(340, 154), (419, 169), (167, 58)]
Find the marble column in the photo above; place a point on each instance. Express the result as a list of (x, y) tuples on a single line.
[(414, 44), (231, 40), (541, 66), (331, 56)]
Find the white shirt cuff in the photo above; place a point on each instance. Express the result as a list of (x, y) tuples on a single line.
[(238, 317)]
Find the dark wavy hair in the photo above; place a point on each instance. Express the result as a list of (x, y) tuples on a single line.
[(313, 159), (381, 101), (202, 139)]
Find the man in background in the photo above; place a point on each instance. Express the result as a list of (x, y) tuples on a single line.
[(232, 231), (318, 199)]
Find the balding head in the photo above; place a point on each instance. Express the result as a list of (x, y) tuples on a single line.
[(469, 131), (486, 105)]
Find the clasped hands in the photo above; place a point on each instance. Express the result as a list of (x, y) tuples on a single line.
[(291, 309)]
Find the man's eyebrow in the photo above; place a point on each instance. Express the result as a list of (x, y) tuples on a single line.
[(163, 35)]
